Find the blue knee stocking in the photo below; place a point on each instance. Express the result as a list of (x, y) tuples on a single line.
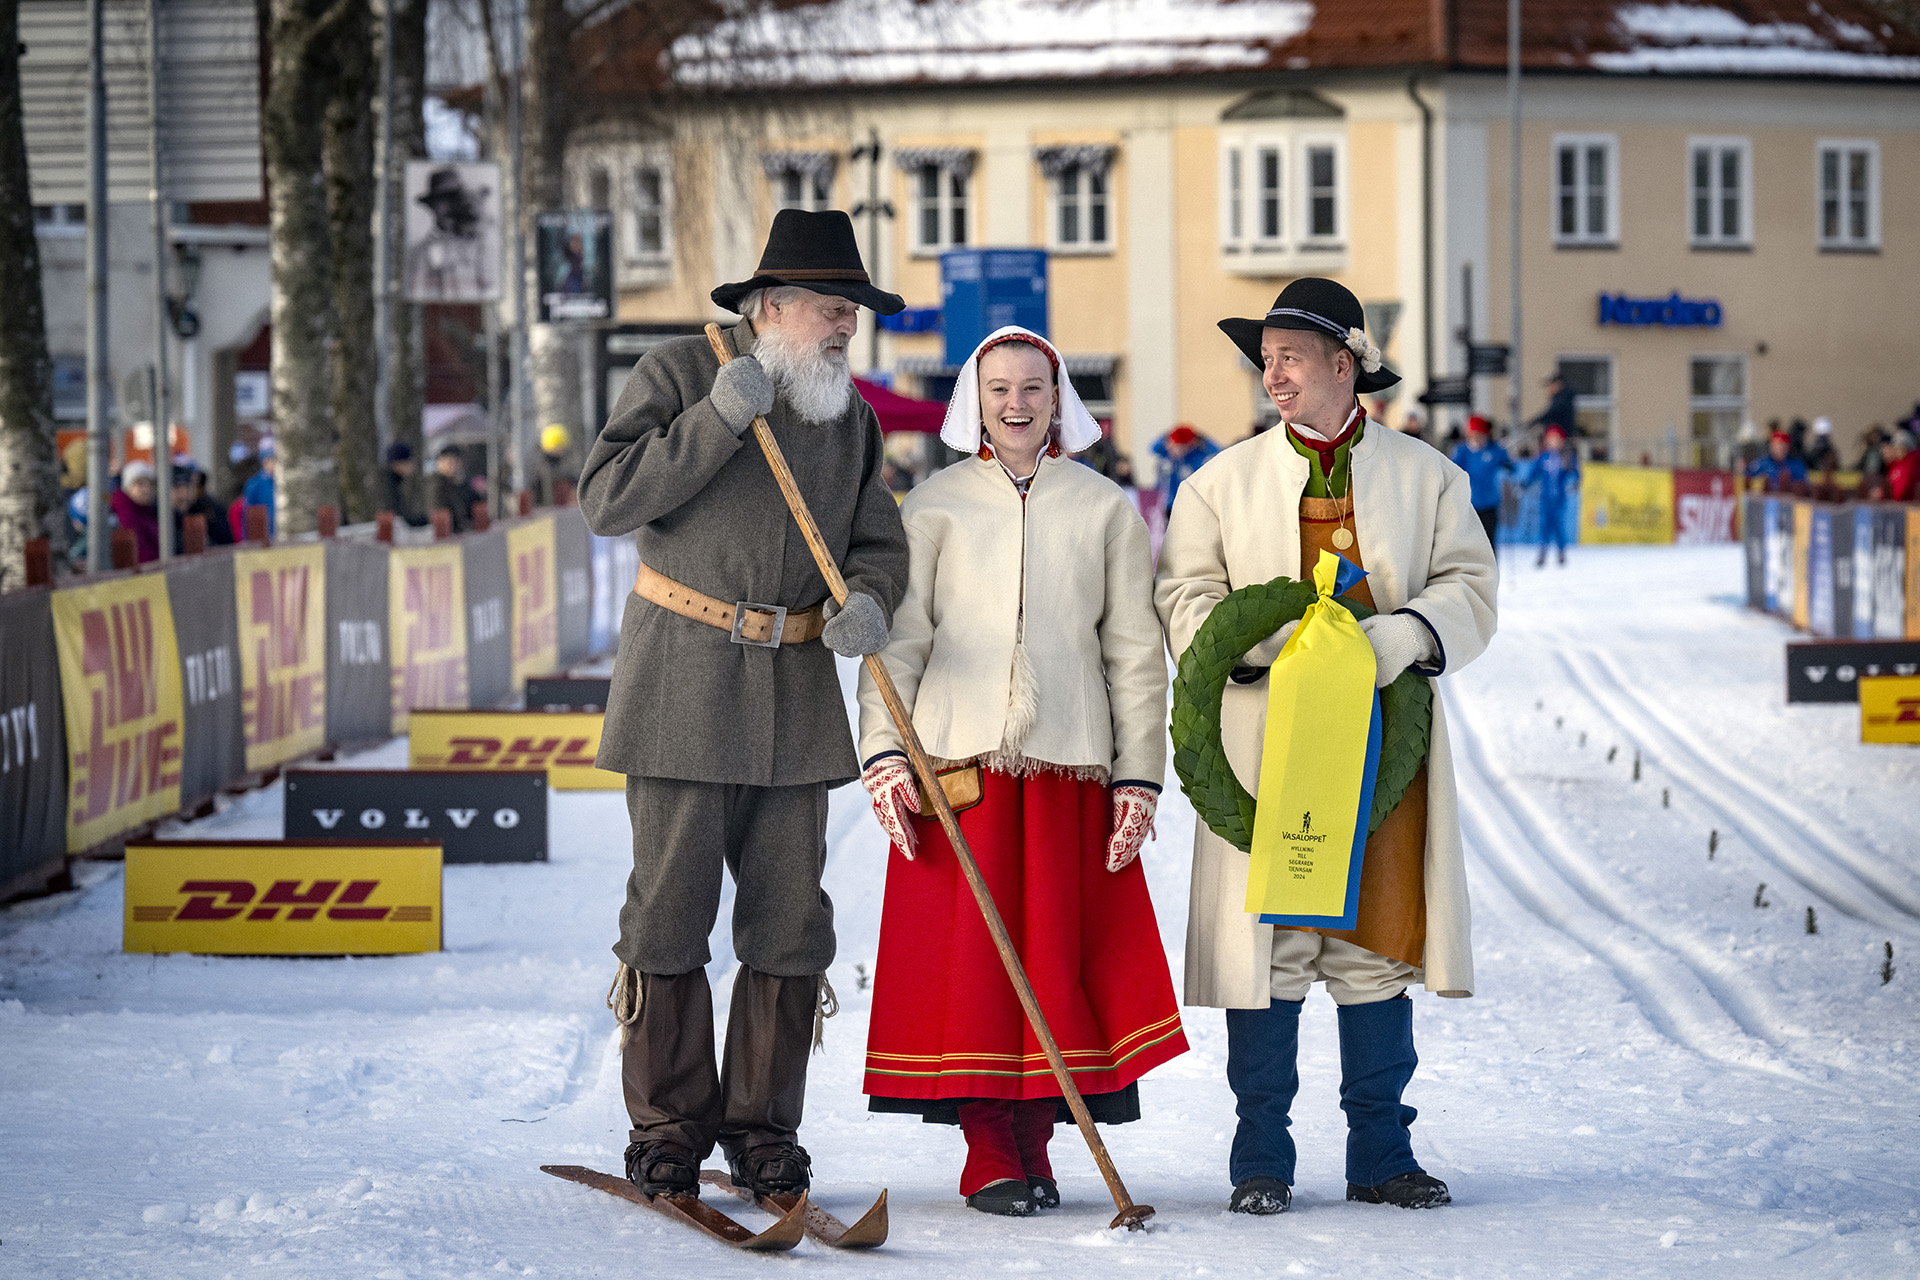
[(1376, 1062), (1263, 1052)]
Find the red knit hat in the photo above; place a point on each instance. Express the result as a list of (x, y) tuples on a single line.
[(1183, 435), (1477, 423)]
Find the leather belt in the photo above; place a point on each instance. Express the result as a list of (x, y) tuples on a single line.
[(767, 625)]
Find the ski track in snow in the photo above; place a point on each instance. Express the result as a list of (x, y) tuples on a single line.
[(1655, 1075)]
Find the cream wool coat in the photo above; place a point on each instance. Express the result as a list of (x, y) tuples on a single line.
[(1236, 523), (1078, 558)]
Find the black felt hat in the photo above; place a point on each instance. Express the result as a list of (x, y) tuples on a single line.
[(813, 251), (1318, 306)]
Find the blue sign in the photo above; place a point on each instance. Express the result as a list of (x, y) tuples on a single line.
[(987, 289), (1673, 312), (911, 320)]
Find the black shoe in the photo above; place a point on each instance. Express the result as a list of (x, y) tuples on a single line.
[(1260, 1196), (1009, 1197), (661, 1168), (1416, 1190), (1046, 1193), (774, 1169)]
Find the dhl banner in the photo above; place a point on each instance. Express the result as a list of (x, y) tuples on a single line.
[(536, 601), (120, 684), (1890, 709), (282, 898), (561, 742), (427, 632), (280, 597), (1626, 504)]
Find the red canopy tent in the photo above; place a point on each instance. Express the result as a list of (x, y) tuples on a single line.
[(901, 413)]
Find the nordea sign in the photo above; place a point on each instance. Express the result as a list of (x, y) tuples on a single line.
[(1673, 312)]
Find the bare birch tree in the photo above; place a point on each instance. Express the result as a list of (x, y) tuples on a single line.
[(406, 367), (30, 504), (349, 151)]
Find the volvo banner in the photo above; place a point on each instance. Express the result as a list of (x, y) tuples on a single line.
[(33, 746), (214, 750), (477, 815), (489, 618), (358, 706)]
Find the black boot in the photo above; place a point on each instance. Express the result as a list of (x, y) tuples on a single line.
[(662, 1168), (1416, 1190), (1261, 1196), (1046, 1192), (774, 1169), (1009, 1198)]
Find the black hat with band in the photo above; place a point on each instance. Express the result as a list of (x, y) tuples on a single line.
[(815, 251), (1317, 306)]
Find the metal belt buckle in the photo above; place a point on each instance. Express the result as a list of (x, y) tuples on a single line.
[(779, 612)]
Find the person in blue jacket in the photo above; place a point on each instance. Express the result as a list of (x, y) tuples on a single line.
[(1557, 472), (1182, 451), (1484, 462), (1780, 469)]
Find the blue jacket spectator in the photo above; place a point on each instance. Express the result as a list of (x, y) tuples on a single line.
[(1484, 462), (1182, 451), (1781, 471)]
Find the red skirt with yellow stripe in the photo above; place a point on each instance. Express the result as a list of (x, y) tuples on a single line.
[(946, 1023)]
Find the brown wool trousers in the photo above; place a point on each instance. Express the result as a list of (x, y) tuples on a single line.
[(757, 1095)]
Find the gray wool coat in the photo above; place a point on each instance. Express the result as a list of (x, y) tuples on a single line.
[(705, 510)]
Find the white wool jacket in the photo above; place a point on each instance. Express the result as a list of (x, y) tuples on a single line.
[(1237, 523), (1028, 634)]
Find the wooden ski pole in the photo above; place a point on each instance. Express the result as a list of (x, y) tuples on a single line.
[(1132, 1216)]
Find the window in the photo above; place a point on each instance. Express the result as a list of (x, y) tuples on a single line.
[(1718, 186), (940, 207), (1585, 198), (599, 189), (1081, 219), (1717, 406), (646, 222), (1590, 378), (801, 179), (1323, 192), (1267, 212), (1849, 176)]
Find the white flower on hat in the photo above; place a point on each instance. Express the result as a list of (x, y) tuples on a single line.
[(1367, 353)]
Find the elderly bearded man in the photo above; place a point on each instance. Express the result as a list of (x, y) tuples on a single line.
[(1267, 508), (726, 713)]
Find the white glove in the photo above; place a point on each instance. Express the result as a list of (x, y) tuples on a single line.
[(1133, 810), (895, 798), (1398, 642), (1267, 651)]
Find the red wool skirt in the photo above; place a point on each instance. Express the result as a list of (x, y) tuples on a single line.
[(946, 1022)]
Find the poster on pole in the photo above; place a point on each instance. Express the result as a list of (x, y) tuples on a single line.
[(453, 231), (575, 253)]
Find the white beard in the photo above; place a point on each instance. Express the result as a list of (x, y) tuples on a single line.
[(814, 379)]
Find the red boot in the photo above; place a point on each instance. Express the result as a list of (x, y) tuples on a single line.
[(994, 1181), (1032, 1130)]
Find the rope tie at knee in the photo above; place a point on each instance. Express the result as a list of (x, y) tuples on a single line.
[(625, 998), (826, 1005)]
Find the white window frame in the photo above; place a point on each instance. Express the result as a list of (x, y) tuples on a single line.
[(1083, 201), (945, 202), (1845, 242), (814, 192), (1268, 228), (1308, 143), (1583, 235), (1722, 449), (1716, 193), (630, 214), (1600, 404)]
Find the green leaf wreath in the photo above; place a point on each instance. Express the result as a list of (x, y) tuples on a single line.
[(1237, 624)]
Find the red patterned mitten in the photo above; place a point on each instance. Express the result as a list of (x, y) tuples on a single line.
[(1133, 809), (895, 797)]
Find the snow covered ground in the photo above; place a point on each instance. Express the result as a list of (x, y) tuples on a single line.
[(1657, 1076)]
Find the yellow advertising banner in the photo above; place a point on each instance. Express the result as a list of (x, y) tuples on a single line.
[(120, 683), (282, 897), (561, 742), (536, 600), (1890, 709), (1913, 573), (427, 623), (280, 598), (1626, 504), (1802, 579)]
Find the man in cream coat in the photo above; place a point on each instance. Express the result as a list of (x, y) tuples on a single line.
[(1432, 574)]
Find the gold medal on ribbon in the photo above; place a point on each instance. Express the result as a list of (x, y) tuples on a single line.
[(1342, 539)]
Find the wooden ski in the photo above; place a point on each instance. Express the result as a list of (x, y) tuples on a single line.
[(783, 1234), (870, 1232)]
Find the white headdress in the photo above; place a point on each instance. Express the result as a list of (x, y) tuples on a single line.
[(1075, 427)]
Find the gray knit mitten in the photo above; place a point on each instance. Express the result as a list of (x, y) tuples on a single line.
[(740, 391), (856, 628)]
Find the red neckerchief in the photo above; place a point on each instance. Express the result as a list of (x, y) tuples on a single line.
[(1327, 448)]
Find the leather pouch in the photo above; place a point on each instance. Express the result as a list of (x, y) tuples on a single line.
[(962, 784)]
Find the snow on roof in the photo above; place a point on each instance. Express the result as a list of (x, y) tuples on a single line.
[(958, 41), (1707, 39)]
